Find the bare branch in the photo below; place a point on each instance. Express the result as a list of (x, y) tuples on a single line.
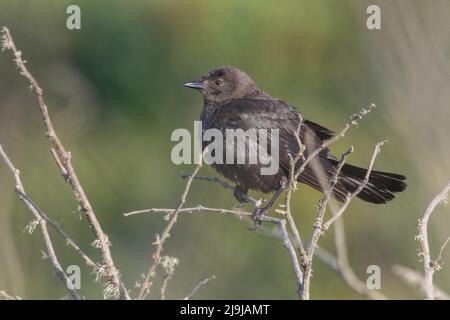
[(159, 243), (318, 227), (168, 264), (280, 222), (292, 185), (349, 199), (198, 287), (429, 265), (441, 251), (198, 208), (353, 121), (255, 202), (63, 159), (43, 225), (415, 279)]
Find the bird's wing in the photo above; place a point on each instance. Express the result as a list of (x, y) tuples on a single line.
[(271, 114), (321, 132)]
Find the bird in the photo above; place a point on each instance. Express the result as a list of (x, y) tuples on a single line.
[(232, 100)]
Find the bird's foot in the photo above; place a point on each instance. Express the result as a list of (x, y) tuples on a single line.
[(256, 217), (240, 193)]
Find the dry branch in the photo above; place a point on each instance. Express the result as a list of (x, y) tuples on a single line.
[(429, 265), (353, 121), (42, 223), (200, 285), (415, 279), (318, 227), (160, 240), (286, 241), (63, 158)]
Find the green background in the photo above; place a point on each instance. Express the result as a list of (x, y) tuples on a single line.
[(114, 90)]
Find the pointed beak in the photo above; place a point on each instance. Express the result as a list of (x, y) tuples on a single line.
[(198, 85)]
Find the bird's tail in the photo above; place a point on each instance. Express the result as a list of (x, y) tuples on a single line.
[(381, 187)]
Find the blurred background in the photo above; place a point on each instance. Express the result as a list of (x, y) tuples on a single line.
[(114, 92)]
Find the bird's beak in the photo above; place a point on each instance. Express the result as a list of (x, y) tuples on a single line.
[(196, 84)]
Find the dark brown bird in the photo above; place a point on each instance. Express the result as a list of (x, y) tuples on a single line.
[(231, 100)]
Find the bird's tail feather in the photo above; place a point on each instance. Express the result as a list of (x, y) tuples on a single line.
[(381, 187)]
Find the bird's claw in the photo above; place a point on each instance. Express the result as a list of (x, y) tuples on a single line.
[(256, 217)]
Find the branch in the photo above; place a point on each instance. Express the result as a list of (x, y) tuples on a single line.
[(255, 202), (353, 121), (292, 186), (429, 265), (349, 199), (198, 208), (318, 227), (198, 287), (416, 279), (174, 212), (168, 264), (160, 240), (63, 158), (42, 222)]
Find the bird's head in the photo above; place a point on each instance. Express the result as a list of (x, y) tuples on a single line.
[(223, 84)]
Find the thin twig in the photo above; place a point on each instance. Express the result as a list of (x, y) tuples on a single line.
[(55, 225), (287, 243), (168, 264), (361, 186), (292, 184), (198, 287), (255, 202), (63, 158), (159, 243), (429, 265), (42, 222), (441, 251), (318, 227), (353, 121), (198, 208)]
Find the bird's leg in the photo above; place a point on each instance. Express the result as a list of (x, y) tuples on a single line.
[(258, 212), (240, 193)]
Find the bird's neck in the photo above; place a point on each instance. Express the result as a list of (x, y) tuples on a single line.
[(209, 106), (256, 93)]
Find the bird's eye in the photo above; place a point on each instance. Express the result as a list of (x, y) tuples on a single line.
[(218, 82)]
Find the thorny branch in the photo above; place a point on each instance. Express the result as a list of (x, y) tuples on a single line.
[(63, 159), (42, 223), (160, 240), (292, 186), (429, 265), (353, 121), (168, 264), (174, 213), (318, 227)]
